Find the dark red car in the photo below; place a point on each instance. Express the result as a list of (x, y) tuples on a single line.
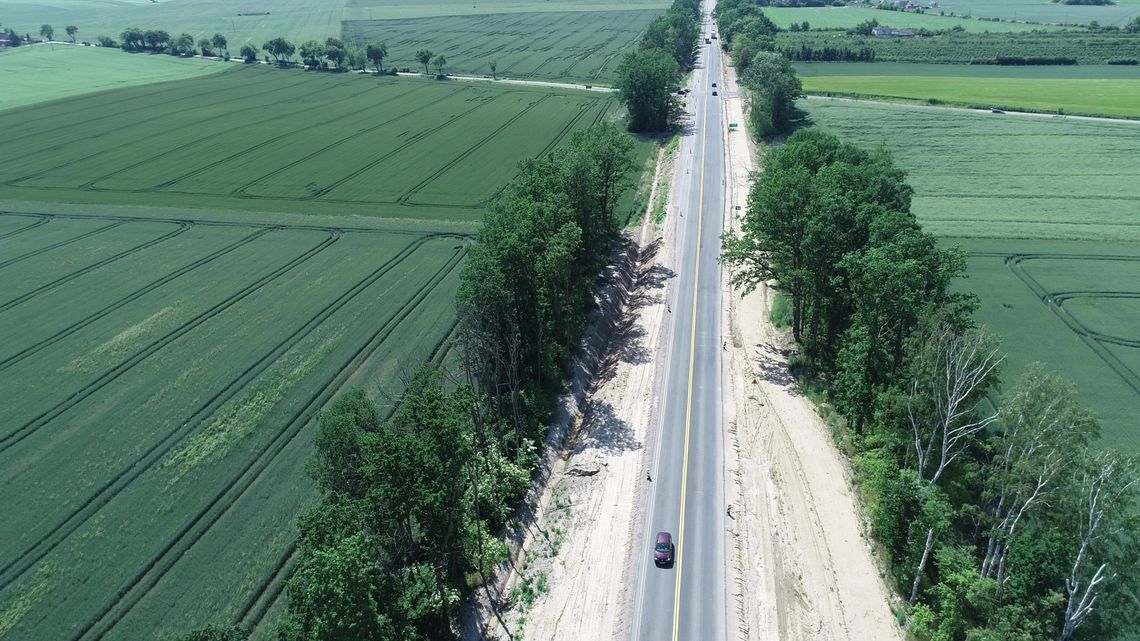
[(663, 550)]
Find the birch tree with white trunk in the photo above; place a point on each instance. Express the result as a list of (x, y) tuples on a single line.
[(1106, 487), (952, 371), (1044, 430)]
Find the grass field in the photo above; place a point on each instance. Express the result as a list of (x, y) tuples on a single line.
[(387, 9), (1047, 209), (254, 138), (1078, 91), (1118, 13), (38, 73), (848, 17), (582, 47)]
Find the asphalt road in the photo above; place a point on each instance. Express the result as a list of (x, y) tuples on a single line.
[(687, 601)]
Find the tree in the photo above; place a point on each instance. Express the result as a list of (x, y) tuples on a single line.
[(132, 38), (183, 45), (157, 39), (249, 52), (281, 49), (1106, 489), (646, 80), (332, 596), (494, 65), (775, 89), (219, 43), (1044, 429), (204, 46), (46, 31), (439, 61), (376, 54), (951, 372), (106, 41), (311, 53), (335, 51), (71, 31), (424, 56)]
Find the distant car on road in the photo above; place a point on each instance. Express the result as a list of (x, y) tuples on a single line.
[(714, 84), (663, 550), (714, 92), (995, 110)]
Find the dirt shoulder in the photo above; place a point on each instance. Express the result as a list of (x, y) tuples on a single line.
[(801, 559)]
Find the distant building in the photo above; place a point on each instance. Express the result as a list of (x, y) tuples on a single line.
[(4, 41), (887, 32)]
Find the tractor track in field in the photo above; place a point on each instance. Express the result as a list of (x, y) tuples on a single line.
[(110, 375), (11, 360), (43, 219), (129, 595), (183, 227), (41, 250), (91, 184), (130, 143), (1094, 339), (240, 191), (30, 555), (467, 152), (135, 123)]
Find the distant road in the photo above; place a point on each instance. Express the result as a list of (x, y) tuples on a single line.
[(1005, 112)]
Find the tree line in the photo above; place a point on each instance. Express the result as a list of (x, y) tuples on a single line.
[(647, 78), (414, 499), (1001, 516)]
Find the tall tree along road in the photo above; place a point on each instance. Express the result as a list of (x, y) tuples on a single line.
[(687, 601)]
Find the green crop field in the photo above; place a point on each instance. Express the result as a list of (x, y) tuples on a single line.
[(255, 138), (158, 376), (240, 21), (1118, 13), (387, 9), (1046, 207), (39, 73), (1076, 92), (189, 271), (848, 17), (963, 48), (583, 47)]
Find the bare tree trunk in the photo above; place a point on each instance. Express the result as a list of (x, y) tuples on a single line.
[(921, 566)]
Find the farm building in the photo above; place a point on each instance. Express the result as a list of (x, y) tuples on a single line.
[(887, 32)]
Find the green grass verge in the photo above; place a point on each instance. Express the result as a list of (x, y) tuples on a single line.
[(1094, 97), (1045, 207), (573, 47), (38, 73), (848, 17)]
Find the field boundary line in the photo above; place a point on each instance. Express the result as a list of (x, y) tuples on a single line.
[(183, 226), (108, 376)]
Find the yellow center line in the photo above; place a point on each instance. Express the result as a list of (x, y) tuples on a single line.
[(692, 361)]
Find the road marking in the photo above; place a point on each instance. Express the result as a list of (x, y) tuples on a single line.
[(692, 361)]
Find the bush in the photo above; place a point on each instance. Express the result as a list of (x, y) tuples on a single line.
[(781, 314)]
